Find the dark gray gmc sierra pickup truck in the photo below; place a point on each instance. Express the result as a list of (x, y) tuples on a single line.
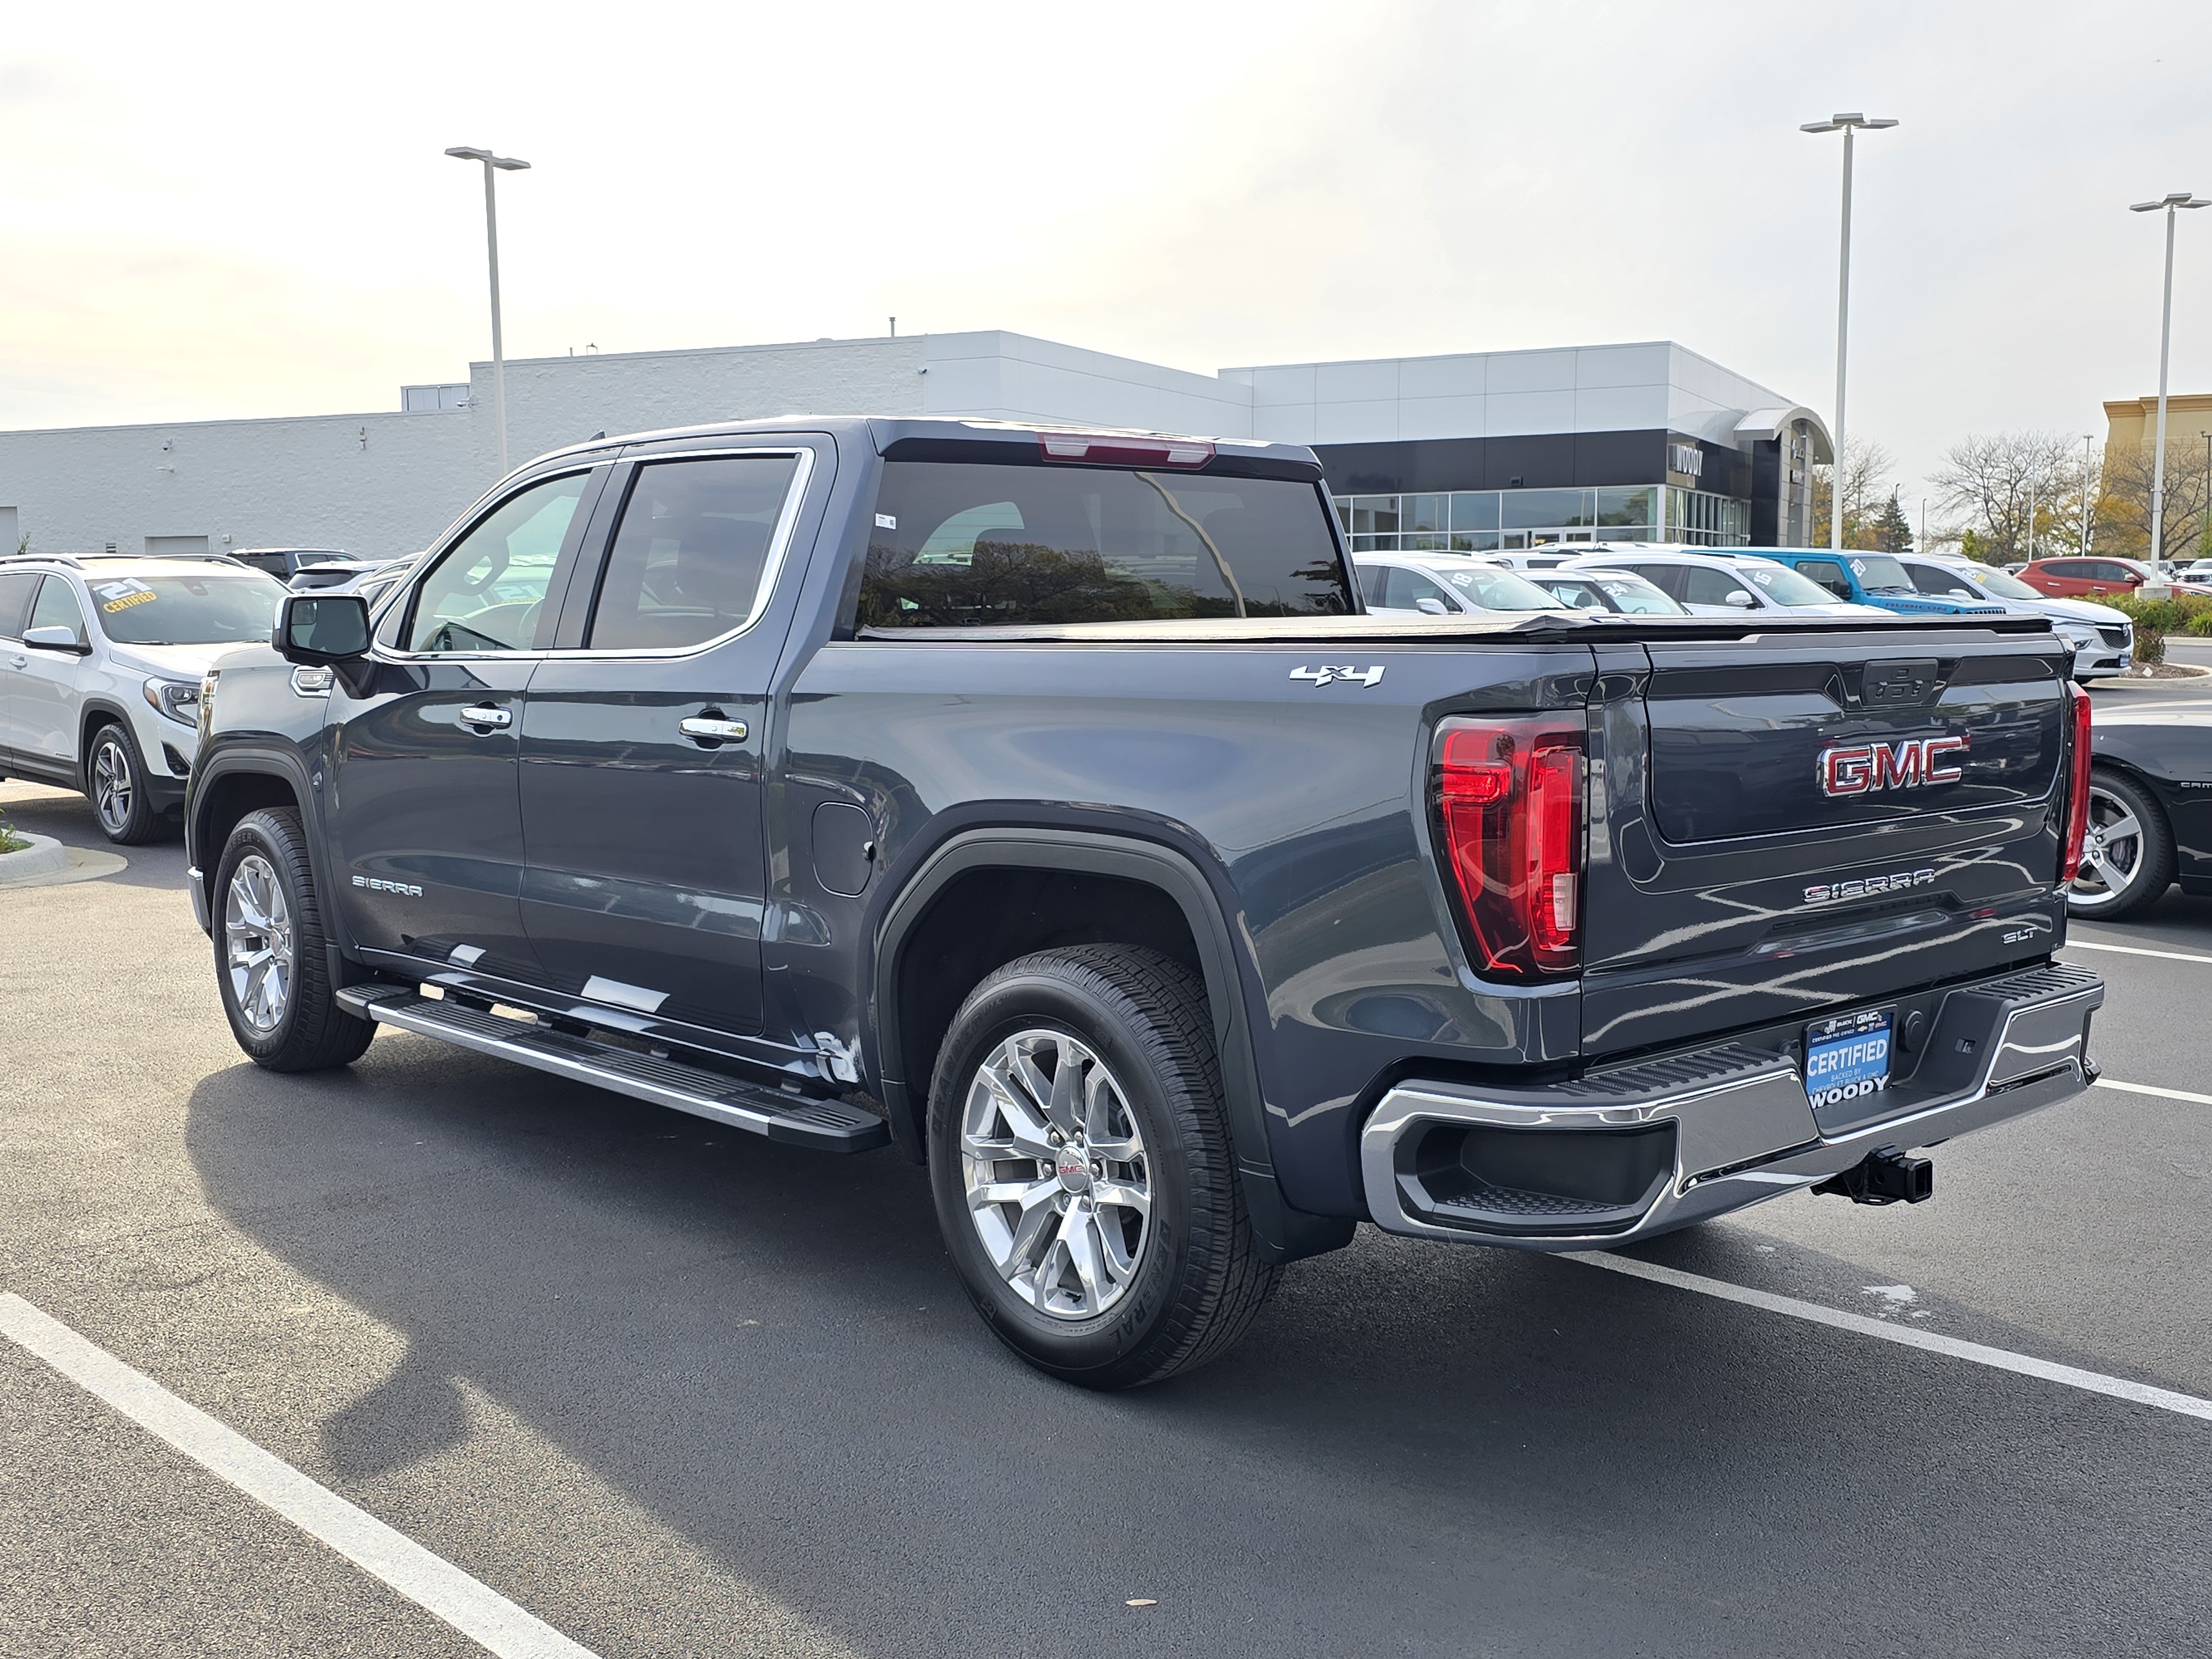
[(1040, 803)]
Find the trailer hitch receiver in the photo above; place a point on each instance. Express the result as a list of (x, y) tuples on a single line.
[(1884, 1175)]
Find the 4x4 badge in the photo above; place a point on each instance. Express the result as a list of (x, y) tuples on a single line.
[(1327, 675)]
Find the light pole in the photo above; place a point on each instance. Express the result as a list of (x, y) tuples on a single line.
[(494, 164), (2087, 438), (1848, 125), (2170, 201)]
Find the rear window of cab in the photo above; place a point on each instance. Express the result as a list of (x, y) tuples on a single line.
[(976, 545)]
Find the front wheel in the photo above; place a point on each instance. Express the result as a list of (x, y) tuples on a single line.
[(268, 951), (1083, 1171), (2127, 853), (115, 778)]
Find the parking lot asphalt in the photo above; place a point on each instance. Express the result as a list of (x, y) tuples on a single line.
[(678, 1391)]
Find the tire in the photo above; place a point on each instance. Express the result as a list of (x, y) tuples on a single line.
[(285, 1015), (115, 782), (2121, 874), (1092, 1288)]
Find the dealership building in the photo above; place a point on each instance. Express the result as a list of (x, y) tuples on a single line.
[(1476, 452)]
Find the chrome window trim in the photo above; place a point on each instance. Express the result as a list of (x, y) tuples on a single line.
[(786, 524)]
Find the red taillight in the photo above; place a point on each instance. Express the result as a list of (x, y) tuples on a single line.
[(1124, 449), (2077, 796), (1510, 792)]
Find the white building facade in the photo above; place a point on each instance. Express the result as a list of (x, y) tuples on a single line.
[(1477, 450)]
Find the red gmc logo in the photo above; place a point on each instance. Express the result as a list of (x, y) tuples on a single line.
[(1860, 769)]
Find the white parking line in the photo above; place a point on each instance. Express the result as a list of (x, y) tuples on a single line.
[(2132, 950), (2146, 1089), (2003, 1359), (430, 1581)]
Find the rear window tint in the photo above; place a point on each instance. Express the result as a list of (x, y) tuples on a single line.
[(967, 544)]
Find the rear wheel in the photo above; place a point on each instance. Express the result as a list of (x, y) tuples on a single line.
[(269, 951), (115, 779), (1083, 1171), (2127, 855)]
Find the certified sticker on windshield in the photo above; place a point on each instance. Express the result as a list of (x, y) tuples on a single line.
[(1847, 1058), (121, 596)]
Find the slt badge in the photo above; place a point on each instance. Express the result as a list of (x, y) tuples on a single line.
[(1327, 675)]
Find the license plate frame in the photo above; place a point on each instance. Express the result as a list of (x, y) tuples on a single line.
[(1847, 1058)]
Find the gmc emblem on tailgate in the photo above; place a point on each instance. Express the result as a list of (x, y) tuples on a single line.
[(1862, 769)]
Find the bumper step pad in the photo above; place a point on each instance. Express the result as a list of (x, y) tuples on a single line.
[(797, 1120)]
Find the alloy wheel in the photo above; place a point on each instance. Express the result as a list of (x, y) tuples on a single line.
[(1059, 1186), (257, 942), (2111, 852), (114, 788)]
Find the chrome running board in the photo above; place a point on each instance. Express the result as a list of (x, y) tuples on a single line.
[(797, 1120)]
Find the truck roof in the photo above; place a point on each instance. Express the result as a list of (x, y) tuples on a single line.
[(935, 437)]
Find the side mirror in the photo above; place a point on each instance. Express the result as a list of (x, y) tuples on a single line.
[(57, 638), (1430, 607), (1740, 599), (321, 628)]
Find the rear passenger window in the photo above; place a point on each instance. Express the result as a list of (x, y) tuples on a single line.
[(690, 552), (958, 543)]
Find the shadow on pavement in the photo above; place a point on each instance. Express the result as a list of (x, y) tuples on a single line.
[(1419, 1449)]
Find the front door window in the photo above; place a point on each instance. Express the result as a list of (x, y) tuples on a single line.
[(488, 593)]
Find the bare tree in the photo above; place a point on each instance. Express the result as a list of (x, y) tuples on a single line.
[(2007, 488), (1866, 467), (2124, 510)]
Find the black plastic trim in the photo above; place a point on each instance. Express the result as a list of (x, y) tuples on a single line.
[(1286, 1233)]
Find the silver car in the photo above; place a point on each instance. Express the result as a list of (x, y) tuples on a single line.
[(2103, 640)]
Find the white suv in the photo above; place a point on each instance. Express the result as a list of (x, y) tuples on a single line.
[(100, 660), (1717, 582)]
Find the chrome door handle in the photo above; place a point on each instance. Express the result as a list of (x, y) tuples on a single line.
[(482, 716), (713, 731)]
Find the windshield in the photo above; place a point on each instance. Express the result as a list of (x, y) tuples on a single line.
[(1784, 586), (1498, 590), (2002, 586), (210, 609), (1880, 574), (1637, 596)]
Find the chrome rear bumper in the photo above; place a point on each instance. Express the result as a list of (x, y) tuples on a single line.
[(1695, 1135)]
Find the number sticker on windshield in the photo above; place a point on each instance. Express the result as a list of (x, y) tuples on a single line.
[(121, 596)]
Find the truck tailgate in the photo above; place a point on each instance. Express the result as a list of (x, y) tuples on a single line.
[(1785, 824)]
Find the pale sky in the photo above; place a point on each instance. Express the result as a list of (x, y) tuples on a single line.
[(235, 210)]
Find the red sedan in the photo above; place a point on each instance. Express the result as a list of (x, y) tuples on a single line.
[(2084, 579)]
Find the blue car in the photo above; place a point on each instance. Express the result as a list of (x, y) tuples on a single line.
[(1876, 578)]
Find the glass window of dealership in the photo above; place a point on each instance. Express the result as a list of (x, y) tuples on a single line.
[(1494, 520), (1509, 492)]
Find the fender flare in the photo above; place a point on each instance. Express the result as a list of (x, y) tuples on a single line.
[(1284, 1233), (262, 760), (96, 712)]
